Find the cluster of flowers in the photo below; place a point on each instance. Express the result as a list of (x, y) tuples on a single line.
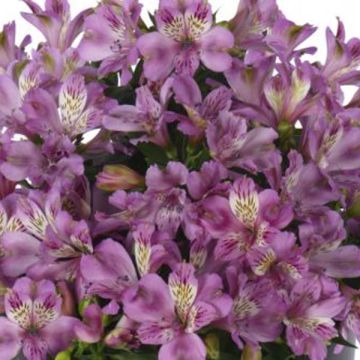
[(184, 190)]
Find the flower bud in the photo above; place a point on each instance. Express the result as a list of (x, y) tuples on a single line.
[(249, 353), (118, 177)]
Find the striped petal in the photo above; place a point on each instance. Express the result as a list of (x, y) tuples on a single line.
[(33, 218), (183, 288), (72, 100), (261, 259), (171, 23), (198, 20), (244, 201), (142, 248)]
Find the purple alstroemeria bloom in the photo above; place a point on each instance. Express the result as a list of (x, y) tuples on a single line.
[(77, 111), (241, 230), (171, 314), (333, 145), (232, 144), (310, 319), (166, 199), (257, 310), (91, 329), (18, 249), (9, 51), (65, 242), (110, 36), (201, 112), (148, 117), (54, 22), (185, 36), (306, 185), (343, 59), (287, 97), (33, 322), (109, 271), (252, 21), (285, 37), (152, 249)]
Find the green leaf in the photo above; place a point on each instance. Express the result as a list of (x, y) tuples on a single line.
[(342, 341), (154, 154)]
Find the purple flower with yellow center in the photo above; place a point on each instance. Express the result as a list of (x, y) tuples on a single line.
[(310, 318), (171, 314), (110, 36), (33, 323), (239, 223), (185, 36), (257, 310)]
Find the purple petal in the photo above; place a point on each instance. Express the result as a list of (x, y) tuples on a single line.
[(188, 346), (214, 46), (159, 53), (10, 339), (23, 252)]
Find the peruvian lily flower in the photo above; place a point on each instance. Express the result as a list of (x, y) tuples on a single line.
[(109, 271), (285, 37), (18, 249), (33, 322), (252, 21), (233, 145), (333, 146), (78, 113), (9, 52), (54, 22), (185, 36), (309, 319), (288, 97), (240, 225), (201, 112), (256, 313), (166, 199), (110, 37), (153, 249), (148, 117), (306, 185), (62, 248), (343, 59), (171, 314)]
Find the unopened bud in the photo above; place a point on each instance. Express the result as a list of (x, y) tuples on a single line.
[(119, 177)]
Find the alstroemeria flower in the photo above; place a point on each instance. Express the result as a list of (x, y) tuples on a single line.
[(166, 199), (110, 36), (185, 36), (152, 249), (33, 321), (77, 111), (256, 313), (64, 244), (171, 314), (287, 97), (54, 22), (201, 112), (252, 21), (148, 117), (109, 271), (19, 250), (309, 319), (233, 145)]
